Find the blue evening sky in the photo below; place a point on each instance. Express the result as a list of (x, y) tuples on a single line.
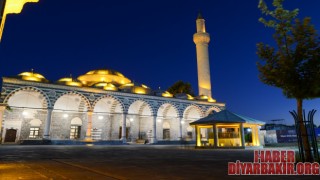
[(151, 42)]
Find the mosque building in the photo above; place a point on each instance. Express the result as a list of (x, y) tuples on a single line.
[(104, 105)]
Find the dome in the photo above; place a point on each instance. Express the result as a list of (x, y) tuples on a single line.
[(69, 82), (103, 75), (135, 88), (32, 76)]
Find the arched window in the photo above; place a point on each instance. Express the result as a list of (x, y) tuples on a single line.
[(75, 128), (34, 128)]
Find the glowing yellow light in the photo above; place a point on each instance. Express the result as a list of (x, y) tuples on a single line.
[(212, 100), (110, 87), (167, 94), (139, 90), (30, 76), (129, 84), (103, 75), (190, 97), (102, 84), (13, 7), (203, 97), (144, 86), (69, 82), (73, 83)]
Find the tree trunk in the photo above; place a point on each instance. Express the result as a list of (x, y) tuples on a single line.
[(304, 134)]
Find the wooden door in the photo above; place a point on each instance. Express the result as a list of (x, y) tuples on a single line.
[(11, 135)]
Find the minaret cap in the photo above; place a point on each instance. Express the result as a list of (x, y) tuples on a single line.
[(200, 16)]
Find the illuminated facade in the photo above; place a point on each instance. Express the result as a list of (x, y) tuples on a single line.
[(101, 105)]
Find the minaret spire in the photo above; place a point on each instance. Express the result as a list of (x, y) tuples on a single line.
[(201, 38), (200, 15)]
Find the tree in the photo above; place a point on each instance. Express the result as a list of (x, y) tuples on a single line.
[(294, 63), (181, 87)]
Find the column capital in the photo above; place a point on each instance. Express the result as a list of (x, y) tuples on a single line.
[(90, 112), (3, 106)]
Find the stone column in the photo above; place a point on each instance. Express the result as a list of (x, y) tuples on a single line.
[(89, 127), (198, 136), (180, 128), (253, 135), (215, 135), (124, 129), (46, 134), (256, 134), (154, 130), (242, 135), (2, 109)]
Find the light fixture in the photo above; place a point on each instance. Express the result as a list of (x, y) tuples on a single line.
[(182, 122), (65, 115), (249, 130), (100, 117), (131, 119), (159, 120), (25, 113)]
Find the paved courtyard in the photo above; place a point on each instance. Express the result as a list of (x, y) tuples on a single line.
[(135, 162)]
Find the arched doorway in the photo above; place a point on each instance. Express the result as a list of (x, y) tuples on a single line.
[(168, 123), (68, 107), (166, 131), (107, 117), (75, 128), (140, 116), (28, 106), (191, 113)]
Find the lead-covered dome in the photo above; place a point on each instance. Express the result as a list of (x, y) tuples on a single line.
[(103, 75)]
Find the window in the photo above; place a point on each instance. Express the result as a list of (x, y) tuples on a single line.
[(34, 132), (166, 134), (75, 132)]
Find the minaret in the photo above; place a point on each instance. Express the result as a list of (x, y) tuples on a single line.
[(201, 38)]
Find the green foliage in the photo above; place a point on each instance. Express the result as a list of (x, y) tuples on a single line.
[(181, 87), (248, 138), (293, 65)]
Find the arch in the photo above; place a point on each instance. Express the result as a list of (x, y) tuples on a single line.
[(211, 109), (45, 99), (167, 110), (76, 121), (68, 101), (189, 129), (35, 123), (166, 125), (103, 104), (141, 107), (192, 112)]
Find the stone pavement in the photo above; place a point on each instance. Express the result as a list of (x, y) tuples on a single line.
[(137, 162)]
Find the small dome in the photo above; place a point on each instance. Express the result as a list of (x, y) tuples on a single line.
[(103, 76), (135, 88), (32, 76), (69, 82), (167, 94), (110, 87)]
